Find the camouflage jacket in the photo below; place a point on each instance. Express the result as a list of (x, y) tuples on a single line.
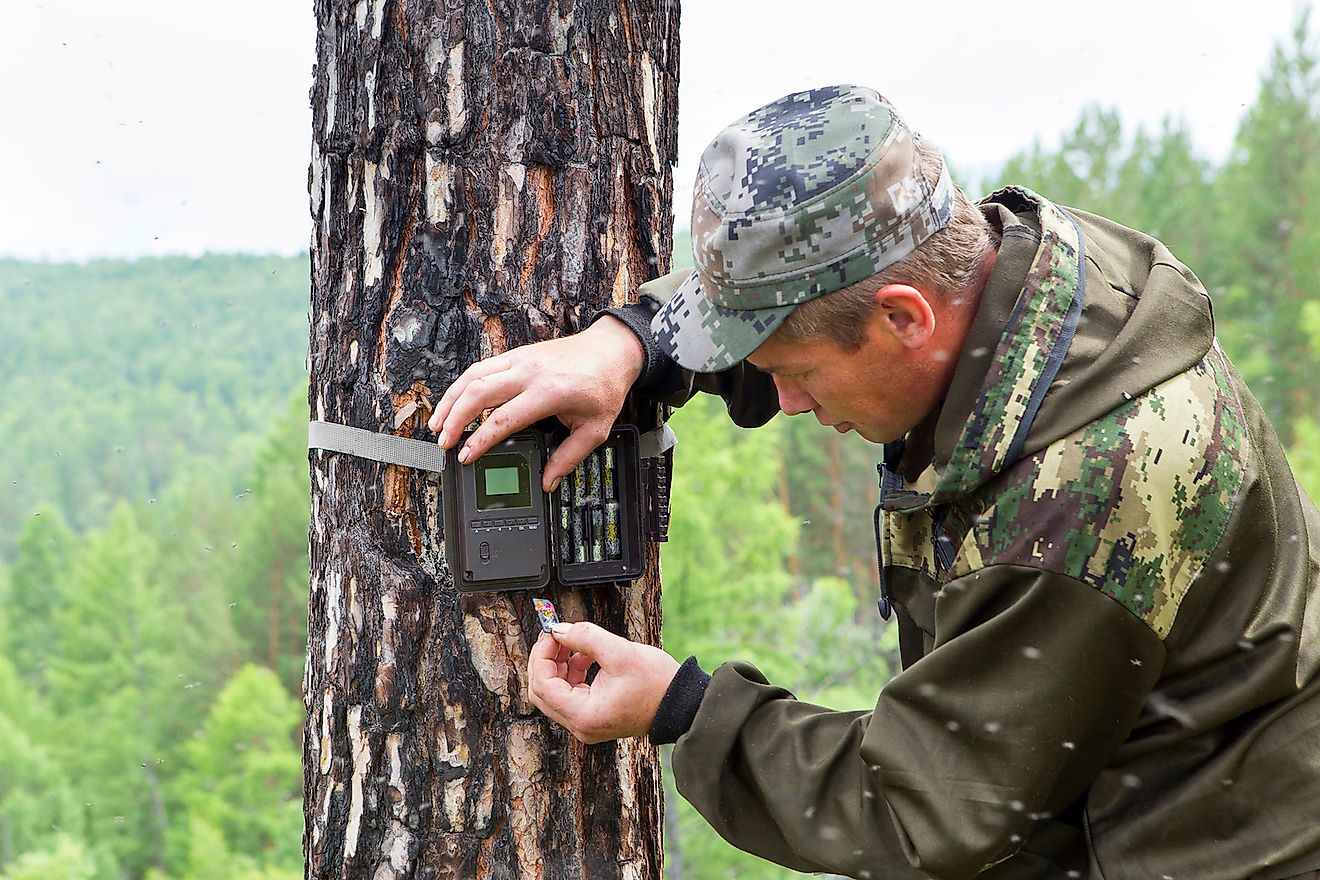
[(1107, 584)]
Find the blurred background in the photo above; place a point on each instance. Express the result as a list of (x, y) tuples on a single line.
[(153, 299)]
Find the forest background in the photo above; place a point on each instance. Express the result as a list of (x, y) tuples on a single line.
[(154, 503)]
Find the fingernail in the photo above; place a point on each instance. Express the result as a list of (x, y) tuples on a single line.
[(561, 628), (442, 438), (555, 484), (464, 454)]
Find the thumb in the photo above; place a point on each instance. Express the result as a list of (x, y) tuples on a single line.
[(587, 638)]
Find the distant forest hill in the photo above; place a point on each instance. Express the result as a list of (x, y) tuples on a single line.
[(118, 376)]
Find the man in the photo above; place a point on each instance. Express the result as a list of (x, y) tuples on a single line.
[(1107, 581)]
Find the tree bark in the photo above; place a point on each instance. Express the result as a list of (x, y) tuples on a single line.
[(483, 175)]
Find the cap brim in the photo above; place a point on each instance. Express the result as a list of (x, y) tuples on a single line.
[(701, 336)]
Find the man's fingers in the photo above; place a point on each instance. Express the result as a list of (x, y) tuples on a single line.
[(478, 370), (575, 448), (587, 638), (507, 418), (486, 392), (575, 670)]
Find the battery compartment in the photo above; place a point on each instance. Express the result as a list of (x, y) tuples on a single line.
[(595, 514)]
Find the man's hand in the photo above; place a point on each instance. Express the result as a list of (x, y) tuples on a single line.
[(582, 379), (620, 701)]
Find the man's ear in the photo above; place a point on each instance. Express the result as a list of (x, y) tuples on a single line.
[(905, 313)]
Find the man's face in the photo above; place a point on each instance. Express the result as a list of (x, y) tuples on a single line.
[(882, 391)]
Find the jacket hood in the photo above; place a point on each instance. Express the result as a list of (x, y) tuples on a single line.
[(1058, 341)]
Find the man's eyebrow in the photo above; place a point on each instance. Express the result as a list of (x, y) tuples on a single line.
[(778, 369)]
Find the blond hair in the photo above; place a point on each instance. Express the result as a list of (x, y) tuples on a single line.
[(949, 262)]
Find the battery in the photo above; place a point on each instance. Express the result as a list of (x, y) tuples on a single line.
[(608, 477), (597, 533), (593, 478), (579, 483), (579, 535), (565, 516), (613, 548)]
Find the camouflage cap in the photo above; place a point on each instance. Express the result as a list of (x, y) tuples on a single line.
[(800, 198)]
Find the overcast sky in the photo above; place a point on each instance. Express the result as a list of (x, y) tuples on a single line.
[(139, 127)]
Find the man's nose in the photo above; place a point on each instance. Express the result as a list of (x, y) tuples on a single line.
[(793, 399)]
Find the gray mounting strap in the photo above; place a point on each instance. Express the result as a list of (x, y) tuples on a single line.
[(375, 446), (656, 443)]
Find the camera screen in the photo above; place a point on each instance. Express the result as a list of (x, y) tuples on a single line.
[(503, 481)]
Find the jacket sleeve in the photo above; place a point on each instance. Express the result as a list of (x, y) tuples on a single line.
[(749, 394), (1034, 681)]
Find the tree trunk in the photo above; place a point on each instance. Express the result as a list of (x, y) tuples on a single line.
[(483, 175)]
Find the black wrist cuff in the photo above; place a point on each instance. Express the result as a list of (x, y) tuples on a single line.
[(637, 318), (680, 703)]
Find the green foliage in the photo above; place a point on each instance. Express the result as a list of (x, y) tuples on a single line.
[(268, 578), (35, 799), (67, 859), (729, 539), (141, 369), (210, 858), (1270, 232), (729, 594), (117, 684), (242, 785), (35, 592)]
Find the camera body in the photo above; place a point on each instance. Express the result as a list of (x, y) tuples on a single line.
[(503, 532)]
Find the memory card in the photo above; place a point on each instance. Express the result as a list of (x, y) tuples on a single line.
[(545, 609)]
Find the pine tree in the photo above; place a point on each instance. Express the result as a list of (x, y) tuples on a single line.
[(119, 692), (1268, 256), (267, 581), (242, 778), (35, 594), (36, 803)]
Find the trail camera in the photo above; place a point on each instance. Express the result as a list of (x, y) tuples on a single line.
[(502, 532)]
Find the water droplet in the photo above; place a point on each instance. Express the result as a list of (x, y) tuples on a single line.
[(1016, 806), (1070, 745), (1031, 652), (993, 727), (953, 726), (1135, 662), (1127, 396), (1222, 566), (980, 351), (1131, 780), (811, 812), (927, 689)]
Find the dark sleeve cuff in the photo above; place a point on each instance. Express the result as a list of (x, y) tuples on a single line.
[(680, 703), (660, 376)]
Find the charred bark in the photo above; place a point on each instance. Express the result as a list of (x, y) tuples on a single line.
[(483, 175)]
